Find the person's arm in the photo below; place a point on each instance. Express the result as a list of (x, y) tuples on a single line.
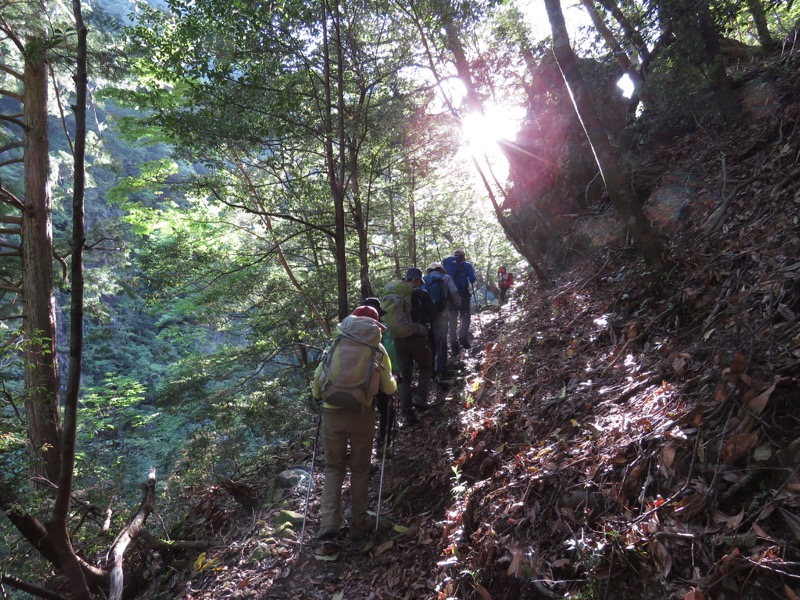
[(452, 292), (470, 272), (388, 382)]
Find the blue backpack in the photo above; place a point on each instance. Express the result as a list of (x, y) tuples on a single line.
[(434, 283), (458, 271)]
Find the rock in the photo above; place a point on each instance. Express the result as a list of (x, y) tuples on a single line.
[(291, 517), (292, 478)]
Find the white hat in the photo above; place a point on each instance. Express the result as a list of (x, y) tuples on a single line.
[(435, 266)]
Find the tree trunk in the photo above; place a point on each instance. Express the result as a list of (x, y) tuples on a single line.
[(612, 43), (361, 225), (57, 528), (42, 402), (607, 158), (335, 158), (756, 9)]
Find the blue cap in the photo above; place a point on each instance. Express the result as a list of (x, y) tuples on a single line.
[(413, 274)]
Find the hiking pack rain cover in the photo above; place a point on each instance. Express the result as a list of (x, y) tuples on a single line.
[(397, 304), (351, 370)]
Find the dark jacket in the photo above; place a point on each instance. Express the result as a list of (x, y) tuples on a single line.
[(423, 309)]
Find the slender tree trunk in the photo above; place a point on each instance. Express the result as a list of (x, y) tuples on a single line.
[(57, 527), (612, 43), (632, 35), (42, 401), (335, 157), (361, 225), (756, 9), (605, 154)]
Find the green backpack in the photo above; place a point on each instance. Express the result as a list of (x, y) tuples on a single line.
[(396, 302), (352, 363)]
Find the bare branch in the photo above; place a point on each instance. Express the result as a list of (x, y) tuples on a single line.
[(10, 71), (10, 94), (14, 121), (11, 199), (61, 109), (30, 588), (11, 161), (10, 146), (134, 528)]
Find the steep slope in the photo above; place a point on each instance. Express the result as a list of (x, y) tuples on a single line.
[(614, 434)]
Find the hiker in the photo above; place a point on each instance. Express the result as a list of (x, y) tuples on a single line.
[(355, 366), (463, 276), (444, 293), (504, 281), (409, 311), (384, 402)]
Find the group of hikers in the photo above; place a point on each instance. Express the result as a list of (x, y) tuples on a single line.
[(372, 356)]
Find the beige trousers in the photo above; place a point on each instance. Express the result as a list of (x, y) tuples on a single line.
[(340, 428)]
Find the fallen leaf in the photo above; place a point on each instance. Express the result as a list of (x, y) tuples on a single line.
[(401, 529), (737, 446), (763, 452), (560, 562), (738, 363), (516, 561), (694, 594), (734, 521), (327, 557), (668, 454), (338, 595), (721, 393), (679, 361), (662, 557), (758, 403), (761, 533), (482, 591), (383, 548)]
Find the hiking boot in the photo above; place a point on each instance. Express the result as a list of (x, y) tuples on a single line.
[(360, 530), (420, 404), (464, 344), (357, 535), (327, 535)]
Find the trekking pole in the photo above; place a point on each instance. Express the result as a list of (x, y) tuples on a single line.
[(380, 483), (310, 482)]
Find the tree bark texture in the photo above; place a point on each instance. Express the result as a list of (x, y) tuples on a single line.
[(42, 402), (335, 156), (605, 154)]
